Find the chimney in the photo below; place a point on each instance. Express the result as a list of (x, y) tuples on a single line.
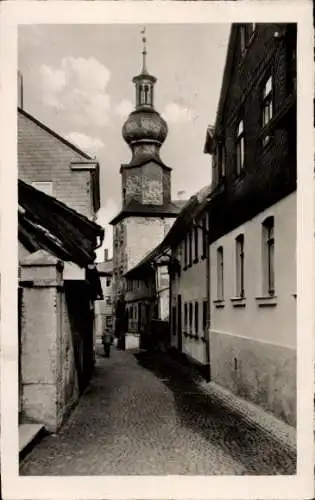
[(181, 195), (20, 90), (106, 254)]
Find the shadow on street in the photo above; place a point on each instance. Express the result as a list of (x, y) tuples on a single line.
[(196, 410)]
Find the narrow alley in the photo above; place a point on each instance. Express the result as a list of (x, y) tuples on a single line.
[(142, 415)]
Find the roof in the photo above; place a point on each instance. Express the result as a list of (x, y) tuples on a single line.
[(59, 137), (141, 159), (136, 208), (46, 223), (105, 267), (183, 222)]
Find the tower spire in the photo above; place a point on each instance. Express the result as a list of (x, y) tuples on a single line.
[(144, 52)]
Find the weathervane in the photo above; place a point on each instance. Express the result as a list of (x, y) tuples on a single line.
[(144, 52)]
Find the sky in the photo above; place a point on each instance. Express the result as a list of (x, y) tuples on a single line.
[(78, 81)]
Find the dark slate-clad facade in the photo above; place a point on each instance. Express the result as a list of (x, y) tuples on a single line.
[(256, 53)]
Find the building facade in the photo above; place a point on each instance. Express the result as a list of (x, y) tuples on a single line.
[(252, 231), (104, 307), (147, 209), (58, 201), (54, 165)]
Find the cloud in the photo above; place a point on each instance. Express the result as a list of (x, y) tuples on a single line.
[(78, 87), (124, 108), (177, 114), (85, 142)]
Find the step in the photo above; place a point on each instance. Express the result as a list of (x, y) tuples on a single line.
[(28, 435)]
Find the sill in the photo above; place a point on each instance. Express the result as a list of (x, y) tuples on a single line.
[(219, 303), (238, 301), (267, 301)]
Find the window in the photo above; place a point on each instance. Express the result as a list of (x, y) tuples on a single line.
[(109, 301), (267, 105), (190, 247), (243, 38), (196, 236), (220, 274), (185, 316), (221, 161), (196, 317), (108, 281), (185, 251), (204, 237), (45, 187), (108, 321), (240, 147), (240, 265), (204, 314), (268, 256), (190, 316)]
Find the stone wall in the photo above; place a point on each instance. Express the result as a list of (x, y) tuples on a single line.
[(56, 340)]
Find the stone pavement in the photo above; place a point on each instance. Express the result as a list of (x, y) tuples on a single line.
[(141, 414)]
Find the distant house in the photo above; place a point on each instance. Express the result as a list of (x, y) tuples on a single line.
[(104, 307), (253, 219), (58, 283)]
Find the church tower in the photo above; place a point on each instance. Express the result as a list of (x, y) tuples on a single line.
[(147, 211)]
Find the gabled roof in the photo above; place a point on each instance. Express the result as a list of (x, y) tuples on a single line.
[(46, 223), (183, 222), (136, 208), (56, 135), (141, 160)]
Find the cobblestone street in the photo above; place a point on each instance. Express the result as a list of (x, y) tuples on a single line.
[(140, 415)]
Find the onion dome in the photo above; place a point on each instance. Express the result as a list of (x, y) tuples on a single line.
[(144, 130), (145, 125)]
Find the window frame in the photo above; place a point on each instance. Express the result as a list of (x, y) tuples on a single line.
[(196, 318), (267, 105), (220, 273), (196, 243), (185, 316), (240, 147), (268, 234), (221, 161), (190, 317), (240, 266)]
